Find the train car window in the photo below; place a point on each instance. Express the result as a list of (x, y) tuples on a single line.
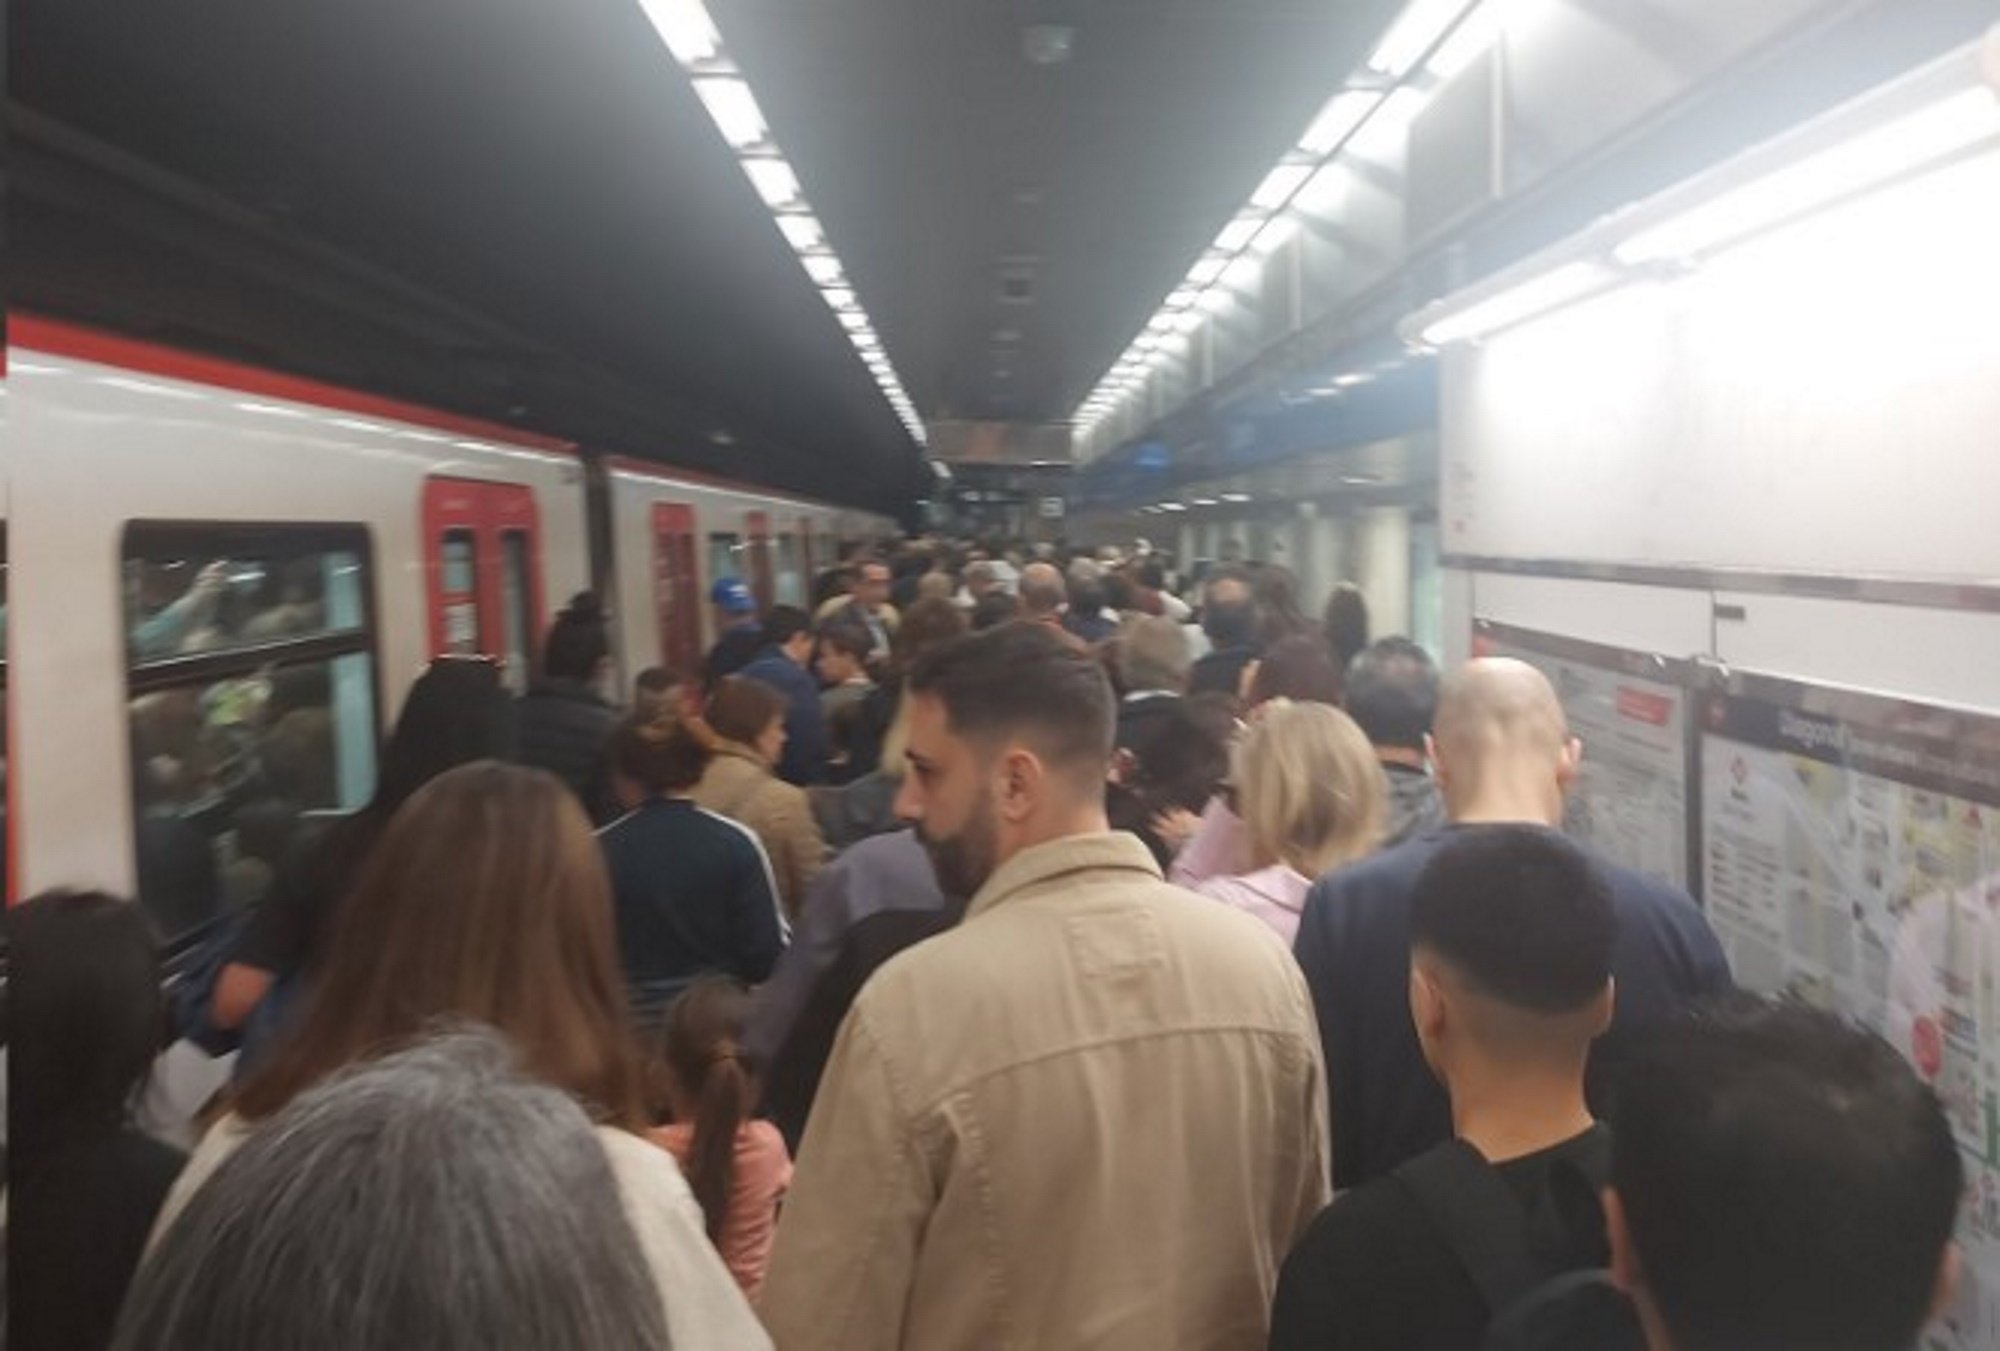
[(791, 587), (725, 556), (516, 607), (458, 580), (251, 700)]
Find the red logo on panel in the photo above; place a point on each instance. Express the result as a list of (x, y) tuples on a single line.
[(1640, 706)]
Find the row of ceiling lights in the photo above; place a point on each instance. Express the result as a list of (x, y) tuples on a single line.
[(690, 34), (1429, 41)]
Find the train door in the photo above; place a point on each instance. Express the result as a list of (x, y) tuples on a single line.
[(757, 525), (482, 561), (676, 587)]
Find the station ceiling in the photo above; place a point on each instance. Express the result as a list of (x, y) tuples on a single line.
[(519, 208)]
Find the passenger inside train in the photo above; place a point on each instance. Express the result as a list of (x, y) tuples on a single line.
[(934, 676)]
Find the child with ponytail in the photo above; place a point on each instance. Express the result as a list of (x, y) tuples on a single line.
[(737, 1167)]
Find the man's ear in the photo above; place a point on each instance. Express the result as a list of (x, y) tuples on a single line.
[(1569, 763), (1428, 1006), (1023, 779), (1438, 768)]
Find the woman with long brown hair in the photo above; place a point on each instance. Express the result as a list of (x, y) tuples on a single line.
[(486, 900)]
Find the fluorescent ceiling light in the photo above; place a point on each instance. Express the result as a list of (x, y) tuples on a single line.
[(1238, 233), (1536, 295), (1236, 497), (839, 298), (1205, 502), (1275, 235), (774, 180), (1902, 146), (1215, 300), (685, 27), (1279, 185), (853, 321), (801, 231), (1173, 506), (734, 108), (1204, 273), (1419, 28), (1337, 121), (1188, 321), (1181, 298), (824, 269), (1387, 134)]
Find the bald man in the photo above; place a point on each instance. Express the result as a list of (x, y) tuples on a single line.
[(1503, 754), (1043, 594)]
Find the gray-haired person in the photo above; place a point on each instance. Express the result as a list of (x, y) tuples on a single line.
[(434, 1198)]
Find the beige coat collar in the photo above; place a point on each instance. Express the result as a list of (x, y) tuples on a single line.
[(1096, 852)]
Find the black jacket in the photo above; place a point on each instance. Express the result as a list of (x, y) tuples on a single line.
[(563, 726)]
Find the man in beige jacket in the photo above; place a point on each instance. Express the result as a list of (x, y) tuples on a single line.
[(1093, 1115)]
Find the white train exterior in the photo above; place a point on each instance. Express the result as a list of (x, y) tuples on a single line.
[(315, 540)]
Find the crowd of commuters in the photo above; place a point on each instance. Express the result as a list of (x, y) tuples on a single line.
[(1006, 950)]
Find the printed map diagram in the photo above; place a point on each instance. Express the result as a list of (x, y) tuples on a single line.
[(1857, 866)]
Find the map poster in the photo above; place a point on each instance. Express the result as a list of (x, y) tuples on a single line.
[(1630, 710), (1851, 857)]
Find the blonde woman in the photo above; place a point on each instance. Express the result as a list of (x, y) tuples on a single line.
[(1309, 791)]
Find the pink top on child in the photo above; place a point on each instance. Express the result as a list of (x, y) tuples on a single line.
[(1275, 895), (763, 1172)]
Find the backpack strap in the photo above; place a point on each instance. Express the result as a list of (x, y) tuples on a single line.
[(1480, 1216)]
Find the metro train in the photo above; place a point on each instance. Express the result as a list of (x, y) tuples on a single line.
[(231, 576)]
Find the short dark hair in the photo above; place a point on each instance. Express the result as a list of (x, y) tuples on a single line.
[(1346, 622), (1296, 668), (656, 680), (659, 756), (851, 639), (994, 608), (578, 640), (1022, 677), (1787, 1180), (84, 1015), (1520, 913), (926, 624), (742, 707), (784, 623), (1392, 692)]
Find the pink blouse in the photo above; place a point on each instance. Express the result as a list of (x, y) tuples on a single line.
[(1275, 895), (763, 1172)]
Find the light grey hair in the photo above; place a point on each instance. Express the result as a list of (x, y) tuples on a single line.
[(435, 1198), (1153, 655)]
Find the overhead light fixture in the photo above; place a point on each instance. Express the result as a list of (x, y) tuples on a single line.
[(1173, 506), (1279, 185), (1206, 502), (1238, 233), (1417, 31), (690, 34), (1236, 497), (1518, 301), (1369, 117), (1905, 145), (775, 182), (1339, 119), (685, 27), (734, 109)]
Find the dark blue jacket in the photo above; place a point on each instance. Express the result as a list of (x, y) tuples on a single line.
[(692, 893), (806, 747), (1354, 946)]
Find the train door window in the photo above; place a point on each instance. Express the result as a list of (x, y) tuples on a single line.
[(791, 587), (458, 587), (675, 589), (725, 556), (484, 565), (251, 699), (760, 579), (517, 604)]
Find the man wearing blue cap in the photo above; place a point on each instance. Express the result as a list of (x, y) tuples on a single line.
[(739, 636)]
